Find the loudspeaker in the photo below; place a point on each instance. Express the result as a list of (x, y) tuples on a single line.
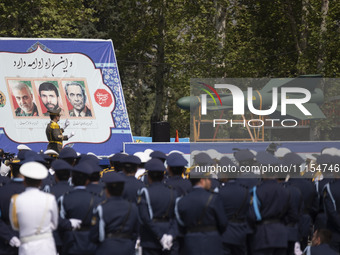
[(161, 132)]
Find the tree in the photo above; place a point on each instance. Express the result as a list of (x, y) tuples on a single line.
[(43, 18)]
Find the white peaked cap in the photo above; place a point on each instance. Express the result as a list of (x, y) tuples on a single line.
[(330, 151), (195, 152), (23, 147), (51, 152), (280, 152), (34, 170), (148, 152), (144, 157), (306, 156), (91, 153), (214, 154), (254, 152), (175, 151)]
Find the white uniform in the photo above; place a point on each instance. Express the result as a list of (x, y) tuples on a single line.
[(35, 215)]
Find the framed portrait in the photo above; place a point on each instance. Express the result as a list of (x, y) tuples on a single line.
[(77, 99), (22, 97), (50, 97)]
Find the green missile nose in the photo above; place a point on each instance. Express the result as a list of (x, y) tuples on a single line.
[(185, 102)]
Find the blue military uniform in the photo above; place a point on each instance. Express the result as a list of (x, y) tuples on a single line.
[(310, 201), (162, 157), (322, 249), (62, 186), (79, 204), (115, 223), (203, 159), (158, 154), (48, 182), (246, 158), (15, 186), (95, 187), (181, 185), (296, 201), (4, 180), (115, 161), (235, 198), (58, 190), (200, 213), (332, 208), (156, 209), (270, 203), (309, 195), (69, 155), (270, 209), (132, 185), (321, 219), (296, 204), (115, 164)]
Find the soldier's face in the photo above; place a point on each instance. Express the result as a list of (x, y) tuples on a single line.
[(76, 97), (207, 184), (57, 118), (316, 240), (49, 99), (24, 99)]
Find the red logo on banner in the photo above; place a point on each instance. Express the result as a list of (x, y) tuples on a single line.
[(103, 98)]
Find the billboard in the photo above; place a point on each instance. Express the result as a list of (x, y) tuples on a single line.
[(80, 77)]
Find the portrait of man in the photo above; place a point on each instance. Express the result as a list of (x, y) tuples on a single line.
[(49, 95), (24, 98), (75, 93)]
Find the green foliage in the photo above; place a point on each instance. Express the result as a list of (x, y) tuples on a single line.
[(43, 18)]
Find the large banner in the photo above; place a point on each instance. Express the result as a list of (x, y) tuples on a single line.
[(80, 77)]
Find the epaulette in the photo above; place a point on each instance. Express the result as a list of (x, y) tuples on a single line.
[(324, 192), (93, 193), (15, 160), (66, 193), (106, 170), (102, 202), (212, 191), (170, 187), (332, 181), (100, 194), (243, 186), (185, 176), (139, 196), (143, 174), (54, 125)]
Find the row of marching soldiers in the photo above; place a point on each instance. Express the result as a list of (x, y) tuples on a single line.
[(167, 212)]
